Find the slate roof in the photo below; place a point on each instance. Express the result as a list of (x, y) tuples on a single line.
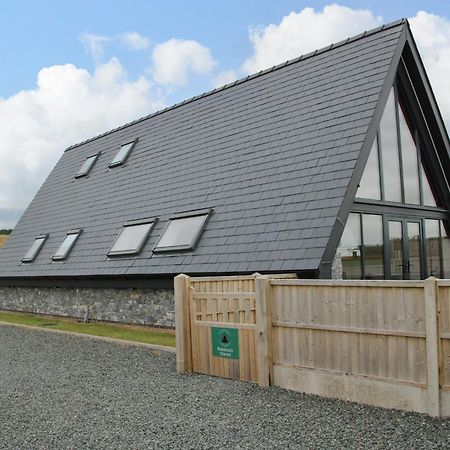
[(272, 154)]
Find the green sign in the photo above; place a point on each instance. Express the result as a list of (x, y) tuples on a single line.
[(225, 342)]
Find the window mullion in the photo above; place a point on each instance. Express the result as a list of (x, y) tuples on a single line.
[(399, 147)]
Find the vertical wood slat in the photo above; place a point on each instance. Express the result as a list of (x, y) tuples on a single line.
[(182, 288), (264, 330), (432, 340)]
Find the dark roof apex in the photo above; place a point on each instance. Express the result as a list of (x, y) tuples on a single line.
[(248, 77)]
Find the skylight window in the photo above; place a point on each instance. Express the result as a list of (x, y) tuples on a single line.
[(86, 166), (181, 233), (67, 245), (131, 239), (35, 248), (123, 154)]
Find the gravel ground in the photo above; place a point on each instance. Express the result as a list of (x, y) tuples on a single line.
[(64, 392)]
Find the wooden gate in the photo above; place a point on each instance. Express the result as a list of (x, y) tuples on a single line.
[(218, 327), (225, 313)]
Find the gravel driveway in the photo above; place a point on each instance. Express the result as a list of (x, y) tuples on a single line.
[(64, 392)]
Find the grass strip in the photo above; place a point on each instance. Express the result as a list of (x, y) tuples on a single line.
[(137, 333)]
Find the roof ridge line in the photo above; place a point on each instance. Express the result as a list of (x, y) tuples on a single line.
[(246, 78)]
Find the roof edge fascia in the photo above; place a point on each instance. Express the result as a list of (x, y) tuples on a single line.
[(441, 127)]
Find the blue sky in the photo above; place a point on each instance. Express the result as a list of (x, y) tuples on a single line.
[(73, 69), (35, 34)]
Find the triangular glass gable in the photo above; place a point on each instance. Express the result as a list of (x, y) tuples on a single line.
[(395, 153)]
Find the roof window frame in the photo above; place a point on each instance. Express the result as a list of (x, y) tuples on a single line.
[(77, 232), (80, 174), (44, 238), (139, 248), (179, 248), (122, 161)]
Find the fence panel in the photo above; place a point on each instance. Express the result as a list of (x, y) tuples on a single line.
[(444, 331), (371, 330)]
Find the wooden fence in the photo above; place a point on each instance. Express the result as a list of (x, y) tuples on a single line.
[(385, 343)]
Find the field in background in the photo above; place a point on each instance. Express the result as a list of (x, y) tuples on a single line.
[(3, 238), (135, 333)]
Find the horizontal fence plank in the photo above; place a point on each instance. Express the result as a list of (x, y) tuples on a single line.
[(349, 283), (229, 278), (212, 295), (340, 329), (244, 326)]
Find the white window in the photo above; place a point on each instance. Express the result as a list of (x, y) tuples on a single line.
[(123, 154), (181, 233), (86, 166), (131, 239), (67, 245), (35, 248)]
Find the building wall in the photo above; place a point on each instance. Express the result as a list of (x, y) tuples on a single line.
[(336, 266), (146, 306)]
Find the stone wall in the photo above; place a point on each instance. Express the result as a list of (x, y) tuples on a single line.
[(142, 306), (336, 266)]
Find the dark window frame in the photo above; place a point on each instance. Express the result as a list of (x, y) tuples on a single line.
[(63, 257), (400, 96), (195, 240), (86, 173), (133, 223), (402, 213), (44, 238), (122, 161)]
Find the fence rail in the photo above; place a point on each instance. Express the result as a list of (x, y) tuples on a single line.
[(385, 343)]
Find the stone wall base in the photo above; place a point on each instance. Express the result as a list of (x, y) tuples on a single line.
[(143, 306)]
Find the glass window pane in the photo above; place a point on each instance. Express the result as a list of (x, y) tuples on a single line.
[(409, 161), (396, 250), (34, 249), (389, 151), (445, 237), (66, 246), (350, 248), (86, 166), (181, 232), (428, 196), (131, 239), (433, 248), (122, 155), (373, 246), (369, 187), (414, 251)]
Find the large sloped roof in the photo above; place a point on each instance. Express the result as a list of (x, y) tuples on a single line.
[(272, 154)]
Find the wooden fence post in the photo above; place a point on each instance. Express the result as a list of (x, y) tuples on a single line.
[(432, 345), (264, 330), (182, 285)]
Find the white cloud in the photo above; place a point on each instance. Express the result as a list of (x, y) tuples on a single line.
[(68, 105), (432, 35), (174, 59), (300, 33), (135, 41), (225, 77), (95, 45)]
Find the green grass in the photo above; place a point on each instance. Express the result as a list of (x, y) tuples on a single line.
[(135, 333)]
